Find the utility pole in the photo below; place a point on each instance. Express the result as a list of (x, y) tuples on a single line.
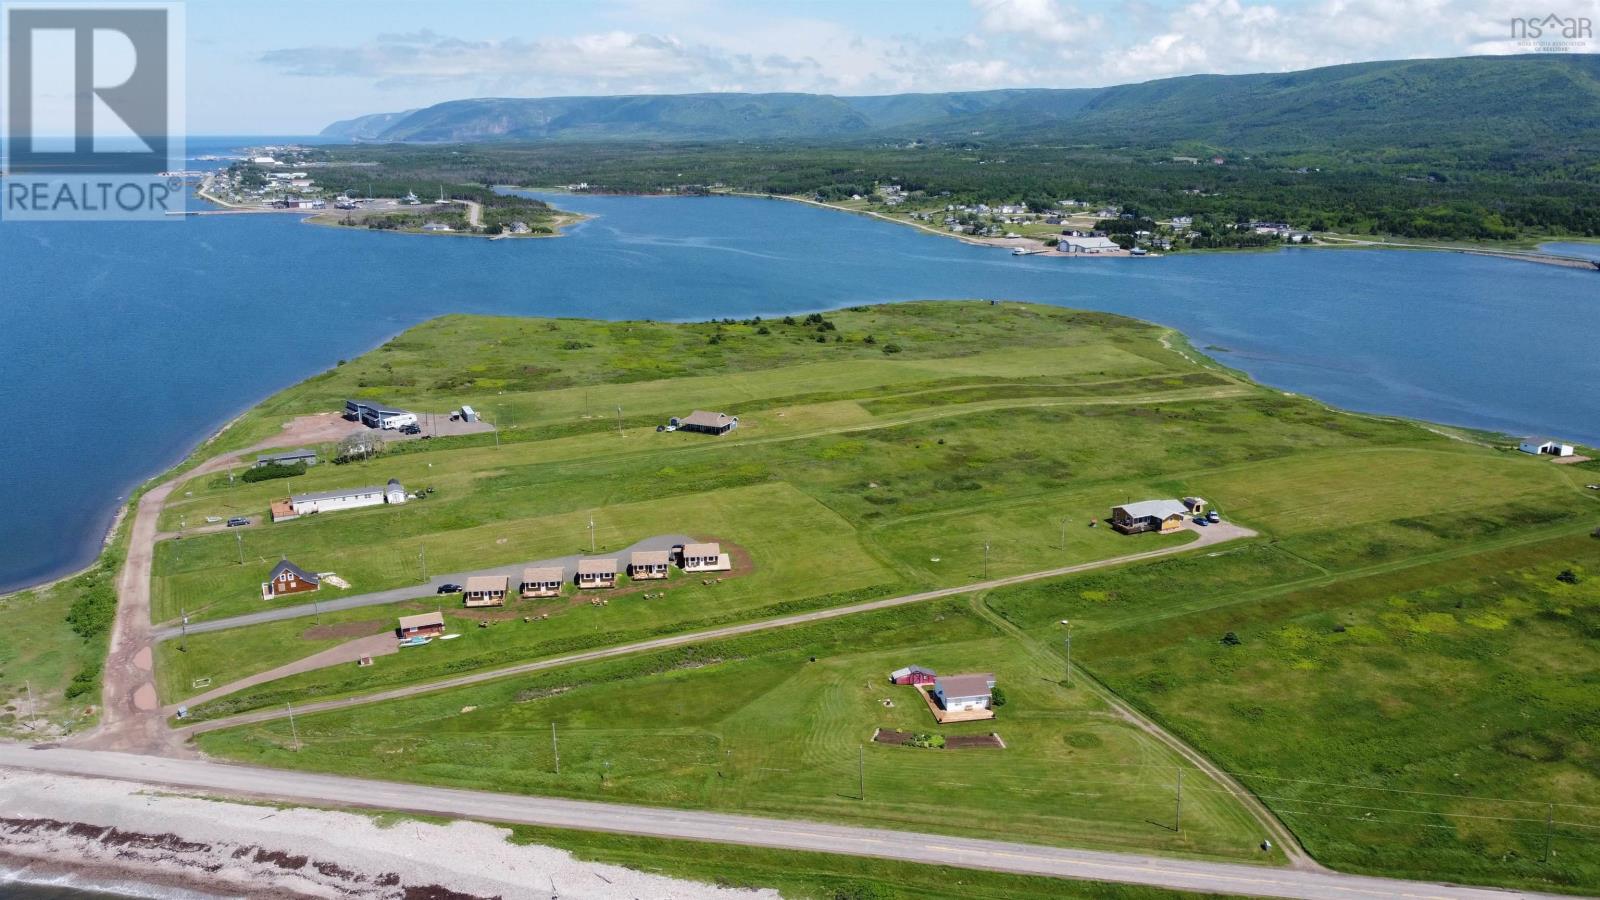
[(619, 421), (591, 534), (1177, 812), (183, 631), (985, 560), (1069, 653), (422, 556), (239, 539), (28, 684), (862, 768), (1063, 535), (293, 728), (555, 748)]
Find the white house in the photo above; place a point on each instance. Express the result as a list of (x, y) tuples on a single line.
[(1088, 245), (1546, 446), (706, 557), (335, 500), (962, 693)]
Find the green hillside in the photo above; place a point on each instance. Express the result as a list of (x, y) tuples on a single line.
[(1407, 103)]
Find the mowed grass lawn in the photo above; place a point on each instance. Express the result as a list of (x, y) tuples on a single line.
[(780, 724), (1423, 722)]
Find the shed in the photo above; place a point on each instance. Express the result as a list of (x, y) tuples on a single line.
[(649, 564), (287, 458), (542, 581), (430, 624), (394, 491), (1148, 515), (1544, 446), (913, 675), (597, 573), (485, 590), (288, 578)]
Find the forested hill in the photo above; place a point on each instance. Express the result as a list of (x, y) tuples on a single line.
[(1479, 101)]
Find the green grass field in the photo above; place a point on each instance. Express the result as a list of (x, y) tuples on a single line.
[(781, 724), (858, 473), (1421, 722)]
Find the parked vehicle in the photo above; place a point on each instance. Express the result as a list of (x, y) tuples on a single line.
[(238, 521), (411, 429), (1201, 520), (1212, 517), (451, 588)]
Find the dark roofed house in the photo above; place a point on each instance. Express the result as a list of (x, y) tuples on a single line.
[(913, 675), (708, 422), (288, 578), (649, 564), (289, 458)]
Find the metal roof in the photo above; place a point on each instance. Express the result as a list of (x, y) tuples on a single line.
[(903, 672), (711, 549), (965, 685), (1159, 509), (706, 419), (301, 453), (334, 495)]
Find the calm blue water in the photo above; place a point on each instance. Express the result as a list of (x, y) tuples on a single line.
[(122, 345), (1587, 251)]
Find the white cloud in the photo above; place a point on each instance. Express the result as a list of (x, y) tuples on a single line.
[(1010, 43)]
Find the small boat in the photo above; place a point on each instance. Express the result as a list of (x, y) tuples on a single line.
[(449, 637), (1018, 251), (417, 641)]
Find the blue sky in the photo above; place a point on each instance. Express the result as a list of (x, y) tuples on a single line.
[(293, 66)]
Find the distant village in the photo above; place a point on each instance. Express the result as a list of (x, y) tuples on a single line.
[(1078, 227)]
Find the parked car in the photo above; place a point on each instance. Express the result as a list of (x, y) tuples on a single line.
[(411, 429), (451, 588), (237, 521), (1212, 517), (1201, 520)]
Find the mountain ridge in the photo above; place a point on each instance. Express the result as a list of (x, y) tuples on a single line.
[(1392, 103)]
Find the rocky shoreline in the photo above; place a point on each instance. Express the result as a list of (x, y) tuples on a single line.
[(99, 834)]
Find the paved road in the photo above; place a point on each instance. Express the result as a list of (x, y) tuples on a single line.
[(972, 853), (395, 595), (1214, 534)]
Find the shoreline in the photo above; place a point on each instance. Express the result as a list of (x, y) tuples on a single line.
[(122, 837), (1324, 242)]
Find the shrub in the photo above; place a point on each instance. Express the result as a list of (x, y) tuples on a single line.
[(891, 348), (1568, 576), (926, 740), (269, 472), (997, 697), (1231, 639)]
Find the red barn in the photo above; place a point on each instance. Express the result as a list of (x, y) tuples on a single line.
[(288, 578), (913, 675)]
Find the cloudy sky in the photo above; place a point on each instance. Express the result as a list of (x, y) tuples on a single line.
[(293, 66)]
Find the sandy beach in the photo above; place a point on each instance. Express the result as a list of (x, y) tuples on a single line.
[(108, 833)]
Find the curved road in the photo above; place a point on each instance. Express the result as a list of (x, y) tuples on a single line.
[(930, 849)]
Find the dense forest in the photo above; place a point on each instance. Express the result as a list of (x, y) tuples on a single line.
[(1415, 194)]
